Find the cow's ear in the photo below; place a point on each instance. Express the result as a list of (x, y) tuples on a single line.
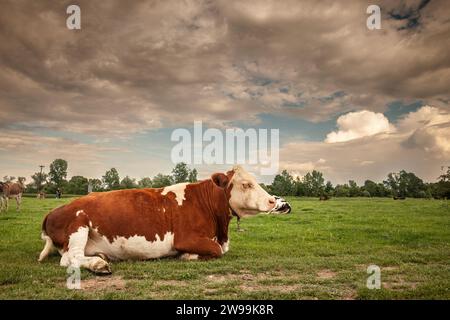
[(220, 179)]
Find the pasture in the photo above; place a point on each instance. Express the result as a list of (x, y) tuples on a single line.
[(320, 251)]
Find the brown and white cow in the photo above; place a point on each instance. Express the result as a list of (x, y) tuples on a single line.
[(186, 219), (11, 190)]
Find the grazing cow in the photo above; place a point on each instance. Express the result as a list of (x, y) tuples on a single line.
[(187, 219), (13, 190)]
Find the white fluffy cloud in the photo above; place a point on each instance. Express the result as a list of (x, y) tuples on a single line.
[(419, 142), (429, 130), (359, 124)]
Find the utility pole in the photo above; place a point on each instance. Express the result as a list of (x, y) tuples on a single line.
[(40, 178)]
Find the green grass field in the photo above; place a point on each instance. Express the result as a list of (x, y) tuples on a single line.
[(320, 251)]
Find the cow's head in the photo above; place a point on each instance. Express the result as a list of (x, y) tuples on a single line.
[(246, 196)]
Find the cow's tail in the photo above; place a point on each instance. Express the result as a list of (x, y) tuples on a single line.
[(49, 246)]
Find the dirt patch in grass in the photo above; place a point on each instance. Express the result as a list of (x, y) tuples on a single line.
[(259, 287), (349, 295), (398, 284), (245, 275), (171, 283), (114, 283), (326, 274), (253, 282), (389, 268)]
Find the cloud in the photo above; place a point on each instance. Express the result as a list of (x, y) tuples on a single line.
[(420, 142), (167, 64), (21, 152), (429, 129), (359, 124), (149, 65)]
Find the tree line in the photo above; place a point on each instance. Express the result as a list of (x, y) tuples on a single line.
[(397, 184), (56, 178)]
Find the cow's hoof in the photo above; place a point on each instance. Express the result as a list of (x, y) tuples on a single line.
[(103, 256), (101, 267), (189, 256)]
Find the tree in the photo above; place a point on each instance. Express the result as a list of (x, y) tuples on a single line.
[(299, 187), (111, 179), (161, 180), (128, 183), (442, 187), (39, 180), (145, 183), (314, 183), (393, 184), (96, 184), (365, 193), (342, 190), (77, 185), (192, 175), (58, 172), (372, 188), (329, 188), (404, 184), (283, 184), (354, 190), (180, 173)]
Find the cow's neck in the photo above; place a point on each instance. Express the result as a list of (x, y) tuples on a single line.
[(217, 206)]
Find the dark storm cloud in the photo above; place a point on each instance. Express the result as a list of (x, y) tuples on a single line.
[(147, 64)]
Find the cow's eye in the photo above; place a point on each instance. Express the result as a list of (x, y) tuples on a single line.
[(247, 185)]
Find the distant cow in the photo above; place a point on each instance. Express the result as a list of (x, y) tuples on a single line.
[(12, 190), (187, 219)]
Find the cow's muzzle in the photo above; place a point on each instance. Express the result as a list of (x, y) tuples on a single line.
[(281, 206)]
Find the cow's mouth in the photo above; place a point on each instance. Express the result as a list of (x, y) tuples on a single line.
[(281, 206)]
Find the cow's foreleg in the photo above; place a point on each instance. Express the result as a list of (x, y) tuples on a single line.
[(18, 200), (74, 253), (200, 248)]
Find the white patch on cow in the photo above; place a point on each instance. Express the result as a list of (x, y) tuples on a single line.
[(226, 246), (79, 212), (189, 256), (178, 190), (135, 247), (164, 209), (77, 243), (90, 224)]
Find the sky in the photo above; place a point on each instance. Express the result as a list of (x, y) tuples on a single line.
[(351, 102)]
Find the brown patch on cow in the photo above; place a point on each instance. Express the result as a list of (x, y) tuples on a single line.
[(103, 283), (326, 274)]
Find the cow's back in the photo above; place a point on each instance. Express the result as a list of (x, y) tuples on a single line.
[(114, 214)]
